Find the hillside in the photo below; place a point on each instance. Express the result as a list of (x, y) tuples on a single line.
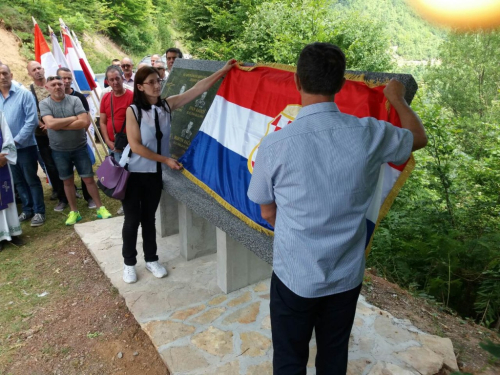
[(414, 38)]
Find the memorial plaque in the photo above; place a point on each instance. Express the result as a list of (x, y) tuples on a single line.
[(186, 121)]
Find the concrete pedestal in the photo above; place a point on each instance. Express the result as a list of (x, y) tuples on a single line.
[(197, 235), (167, 217), (237, 266)]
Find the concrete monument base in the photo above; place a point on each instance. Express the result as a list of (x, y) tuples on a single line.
[(237, 267)]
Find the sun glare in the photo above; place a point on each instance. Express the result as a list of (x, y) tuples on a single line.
[(461, 14)]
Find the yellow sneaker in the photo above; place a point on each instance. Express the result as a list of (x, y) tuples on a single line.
[(73, 218), (103, 213)]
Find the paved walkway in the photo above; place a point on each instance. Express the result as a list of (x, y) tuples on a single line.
[(199, 330)]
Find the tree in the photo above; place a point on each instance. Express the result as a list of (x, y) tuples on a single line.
[(276, 32), (468, 78)]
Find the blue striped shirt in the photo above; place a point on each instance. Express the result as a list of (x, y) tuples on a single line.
[(322, 170), (19, 108)]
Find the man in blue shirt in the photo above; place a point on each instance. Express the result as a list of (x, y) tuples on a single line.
[(314, 181), (19, 107)]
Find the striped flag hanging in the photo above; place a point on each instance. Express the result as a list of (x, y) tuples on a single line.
[(43, 54), (252, 103), (74, 62)]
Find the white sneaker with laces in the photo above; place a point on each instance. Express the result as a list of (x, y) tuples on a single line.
[(156, 269), (129, 275)]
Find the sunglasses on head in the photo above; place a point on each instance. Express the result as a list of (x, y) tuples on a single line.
[(160, 68), (51, 78)]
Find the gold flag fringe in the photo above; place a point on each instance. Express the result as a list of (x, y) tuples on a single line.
[(252, 224), (389, 200), (360, 77)]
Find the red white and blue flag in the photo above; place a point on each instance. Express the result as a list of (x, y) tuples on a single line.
[(43, 54), (252, 103), (74, 62)]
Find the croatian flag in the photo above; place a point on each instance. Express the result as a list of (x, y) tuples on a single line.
[(253, 103), (74, 62), (43, 54), (57, 51)]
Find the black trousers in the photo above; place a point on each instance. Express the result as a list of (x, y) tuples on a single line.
[(139, 206), (50, 166), (293, 319)]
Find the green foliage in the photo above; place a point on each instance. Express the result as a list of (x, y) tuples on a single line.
[(467, 79), (491, 348), (414, 38), (444, 230), (138, 27), (276, 31)]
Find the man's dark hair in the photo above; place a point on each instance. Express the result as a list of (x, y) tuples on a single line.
[(175, 50), (113, 68), (140, 99), (63, 69), (321, 68), (115, 60)]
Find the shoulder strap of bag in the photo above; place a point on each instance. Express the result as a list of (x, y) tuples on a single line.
[(159, 136), (138, 117), (112, 113), (32, 88)]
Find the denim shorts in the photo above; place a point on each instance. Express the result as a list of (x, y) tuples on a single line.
[(66, 160)]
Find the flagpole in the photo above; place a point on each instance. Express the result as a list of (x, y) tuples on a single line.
[(93, 142)]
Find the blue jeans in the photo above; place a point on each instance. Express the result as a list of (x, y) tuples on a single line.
[(66, 160), (27, 182), (116, 154)]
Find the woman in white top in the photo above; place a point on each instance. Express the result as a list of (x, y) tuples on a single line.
[(147, 160)]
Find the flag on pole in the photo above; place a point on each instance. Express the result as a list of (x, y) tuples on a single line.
[(57, 51), (90, 78), (82, 54), (43, 54), (74, 62), (251, 104)]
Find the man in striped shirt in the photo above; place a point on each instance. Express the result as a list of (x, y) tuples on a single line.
[(314, 181)]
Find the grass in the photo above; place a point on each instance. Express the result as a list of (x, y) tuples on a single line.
[(30, 270)]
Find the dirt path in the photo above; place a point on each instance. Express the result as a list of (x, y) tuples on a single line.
[(84, 326)]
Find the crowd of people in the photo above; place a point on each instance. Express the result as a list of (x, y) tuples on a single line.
[(47, 123), (314, 181)]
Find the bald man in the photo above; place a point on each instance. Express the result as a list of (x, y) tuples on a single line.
[(37, 88), (160, 65), (154, 59)]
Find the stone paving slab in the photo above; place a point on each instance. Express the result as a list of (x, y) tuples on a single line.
[(199, 330)]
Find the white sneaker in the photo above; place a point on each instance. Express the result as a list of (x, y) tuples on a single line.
[(129, 275), (156, 269)]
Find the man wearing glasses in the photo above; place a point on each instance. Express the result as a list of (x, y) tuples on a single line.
[(66, 120), (160, 66), (128, 73), (37, 72), (19, 107)]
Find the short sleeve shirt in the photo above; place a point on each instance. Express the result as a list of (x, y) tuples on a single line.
[(64, 140), (120, 105), (82, 98), (321, 171), (41, 93)]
